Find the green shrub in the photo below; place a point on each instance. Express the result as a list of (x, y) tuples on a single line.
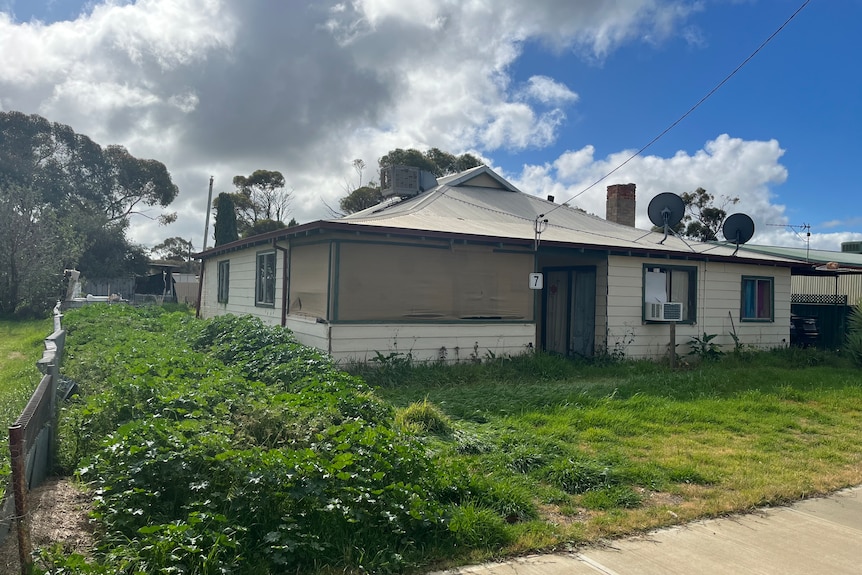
[(854, 335), (579, 475), (704, 348), (473, 526), (424, 417), (224, 445)]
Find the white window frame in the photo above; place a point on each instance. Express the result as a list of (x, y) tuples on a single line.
[(687, 297), (223, 281), (264, 283)]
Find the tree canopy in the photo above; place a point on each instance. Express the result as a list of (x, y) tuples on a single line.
[(35, 248), (265, 190), (260, 197), (69, 170), (225, 222), (360, 199), (262, 227), (177, 250), (436, 161), (65, 195), (703, 218)]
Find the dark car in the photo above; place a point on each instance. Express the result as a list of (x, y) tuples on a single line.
[(803, 331)]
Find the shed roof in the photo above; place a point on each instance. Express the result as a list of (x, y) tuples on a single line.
[(815, 257)]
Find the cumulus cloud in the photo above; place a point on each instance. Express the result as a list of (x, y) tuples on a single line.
[(726, 167), (548, 91), (212, 87)]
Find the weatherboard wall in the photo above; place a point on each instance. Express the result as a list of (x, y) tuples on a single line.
[(241, 294), (450, 343), (718, 308), (309, 276)]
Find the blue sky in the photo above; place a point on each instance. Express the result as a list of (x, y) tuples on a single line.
[(553, 94)]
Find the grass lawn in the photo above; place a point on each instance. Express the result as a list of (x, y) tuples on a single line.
[(228, 435), (629, 446), (21, 345)]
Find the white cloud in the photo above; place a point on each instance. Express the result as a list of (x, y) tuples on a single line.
[(725, 167), (548, 91), (211, 87)]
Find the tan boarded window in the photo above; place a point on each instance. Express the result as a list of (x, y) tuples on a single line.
[(378, 282), (309, 280)]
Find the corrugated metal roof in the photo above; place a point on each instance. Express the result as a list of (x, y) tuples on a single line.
[(843, 259), (510, 214), (503, 213)]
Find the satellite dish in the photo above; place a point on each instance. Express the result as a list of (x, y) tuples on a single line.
[(666, 210), (738, 228)]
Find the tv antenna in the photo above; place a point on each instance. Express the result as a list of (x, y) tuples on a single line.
[(796, 229), (665, 211), (738, 228)]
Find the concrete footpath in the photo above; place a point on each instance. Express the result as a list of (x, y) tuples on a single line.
[(814, 536)]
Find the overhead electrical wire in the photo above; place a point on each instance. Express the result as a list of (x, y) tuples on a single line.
[(689, 111)]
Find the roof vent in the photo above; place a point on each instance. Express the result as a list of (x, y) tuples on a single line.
[(405, 181), (851, 247)]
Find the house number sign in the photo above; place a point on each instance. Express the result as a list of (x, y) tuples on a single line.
[(536, 281)]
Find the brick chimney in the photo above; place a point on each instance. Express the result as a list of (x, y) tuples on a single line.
[(621, 204)]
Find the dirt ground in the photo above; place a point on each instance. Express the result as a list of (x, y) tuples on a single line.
[(58, 512)]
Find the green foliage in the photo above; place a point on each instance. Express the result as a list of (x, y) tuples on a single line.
[(260, 196), (796, 357), (65, 203), (279, 462), (703, 218), (612, 497), (35, 246), (854, 335), (361, 198), (615, 353), (175, 249), (436, 161), (387, 369), (263, 226), (477, 527), (21, 345), (227, 446), (108, 251), (704, 348), (74, 171), (225, 223), (424, 417), (580, 475)]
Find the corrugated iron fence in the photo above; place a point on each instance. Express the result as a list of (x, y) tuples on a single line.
[(32, 442)]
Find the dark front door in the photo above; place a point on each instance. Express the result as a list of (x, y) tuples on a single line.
[(569, 304)]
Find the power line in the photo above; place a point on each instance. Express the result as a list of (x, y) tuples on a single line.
[(690, 110)]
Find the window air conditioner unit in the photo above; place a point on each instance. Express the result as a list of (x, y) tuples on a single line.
[(663, 311)]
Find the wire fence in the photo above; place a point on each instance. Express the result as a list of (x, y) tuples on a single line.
[(32, 445)]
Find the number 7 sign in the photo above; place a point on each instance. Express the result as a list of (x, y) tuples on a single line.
[(536, 281)]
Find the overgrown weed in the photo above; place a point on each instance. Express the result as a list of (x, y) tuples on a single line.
[(302, 467)]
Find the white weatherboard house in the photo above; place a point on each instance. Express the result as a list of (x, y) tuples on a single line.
[(445, 270)]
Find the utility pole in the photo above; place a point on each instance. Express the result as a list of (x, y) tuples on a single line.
[(206, 233), (209, 209)]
